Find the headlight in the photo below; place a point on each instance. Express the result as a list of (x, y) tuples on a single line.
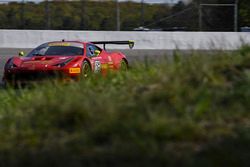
[(10, 64), (63, 63)]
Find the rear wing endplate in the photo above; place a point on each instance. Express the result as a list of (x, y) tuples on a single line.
[(131, 44)]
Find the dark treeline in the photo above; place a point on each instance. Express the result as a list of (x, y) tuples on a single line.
[(90, 15)]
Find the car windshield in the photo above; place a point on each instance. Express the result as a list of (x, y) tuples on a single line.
[(58, 49)]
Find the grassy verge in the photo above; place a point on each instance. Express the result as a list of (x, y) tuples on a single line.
[(193, 111)]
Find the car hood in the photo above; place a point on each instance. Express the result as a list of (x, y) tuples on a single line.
[(40, 60)]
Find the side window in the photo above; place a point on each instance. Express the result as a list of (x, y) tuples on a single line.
[(91, 50)]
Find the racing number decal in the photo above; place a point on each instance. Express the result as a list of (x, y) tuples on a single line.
[(97, 66)]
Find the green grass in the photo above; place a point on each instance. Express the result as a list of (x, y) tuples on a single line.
[(192, 111)]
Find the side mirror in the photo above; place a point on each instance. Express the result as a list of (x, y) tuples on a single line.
[(21, 53), (97, 52)]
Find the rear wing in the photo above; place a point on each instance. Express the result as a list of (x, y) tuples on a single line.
[(131, 44)]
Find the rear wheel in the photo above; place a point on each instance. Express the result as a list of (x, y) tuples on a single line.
[(86, 69), (123, 65)]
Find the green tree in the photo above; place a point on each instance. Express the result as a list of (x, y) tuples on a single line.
[(244, 12), (96, 15)]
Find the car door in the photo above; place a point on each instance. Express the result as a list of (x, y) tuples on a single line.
[(98, 61)]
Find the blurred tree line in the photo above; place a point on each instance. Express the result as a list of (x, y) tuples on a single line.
[(93, 15), (244, 12), (222, 18)]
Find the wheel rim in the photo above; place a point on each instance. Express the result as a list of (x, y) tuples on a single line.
[(85, 70), (124, 66)]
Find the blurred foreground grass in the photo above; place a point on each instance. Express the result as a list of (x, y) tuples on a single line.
[(192, 111)]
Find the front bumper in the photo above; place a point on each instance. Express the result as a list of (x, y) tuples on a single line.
[(23, 77)]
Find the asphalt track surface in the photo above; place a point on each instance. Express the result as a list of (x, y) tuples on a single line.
[(133, 56)]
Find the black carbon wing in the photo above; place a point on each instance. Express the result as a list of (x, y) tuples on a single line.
[(131, 44)]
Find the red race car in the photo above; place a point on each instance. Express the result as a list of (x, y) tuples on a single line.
[(64, 59)]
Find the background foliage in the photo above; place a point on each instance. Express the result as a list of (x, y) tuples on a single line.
[(187, 111), (90, 15)]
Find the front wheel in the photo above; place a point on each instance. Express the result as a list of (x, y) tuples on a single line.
[(86, 70)]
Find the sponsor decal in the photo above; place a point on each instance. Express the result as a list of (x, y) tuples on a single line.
[(74, 70), (97, 66), (105, 66), (59, 44)]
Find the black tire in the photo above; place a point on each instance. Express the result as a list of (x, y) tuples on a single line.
[(86, 69), (123, 65)]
